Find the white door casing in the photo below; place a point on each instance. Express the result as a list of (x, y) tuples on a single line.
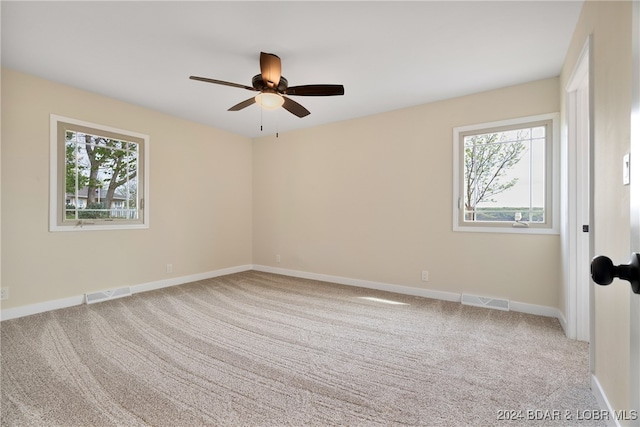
[(578, 164), (635, 208)]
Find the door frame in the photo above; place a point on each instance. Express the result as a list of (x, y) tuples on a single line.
[(578, 165), (634, 220)]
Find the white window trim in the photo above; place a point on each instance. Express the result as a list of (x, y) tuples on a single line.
[(555, 174), (54, 196)]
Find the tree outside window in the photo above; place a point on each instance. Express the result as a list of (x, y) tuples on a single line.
[(504, 175), (99, 177), (98, 170)]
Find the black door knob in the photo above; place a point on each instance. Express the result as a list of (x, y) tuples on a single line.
[(603, 271)]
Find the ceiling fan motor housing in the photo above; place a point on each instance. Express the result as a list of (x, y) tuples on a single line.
[(258, 83)]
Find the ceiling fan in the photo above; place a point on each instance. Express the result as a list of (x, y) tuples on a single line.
[(273, 87)]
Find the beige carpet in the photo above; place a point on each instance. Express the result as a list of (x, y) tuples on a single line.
[(257, 349)]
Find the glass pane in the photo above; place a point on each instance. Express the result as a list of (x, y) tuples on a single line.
[(504, 176), (101, 177), (538, 180)]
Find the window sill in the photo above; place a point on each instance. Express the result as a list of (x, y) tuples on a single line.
[(505, 229), (97, 227)]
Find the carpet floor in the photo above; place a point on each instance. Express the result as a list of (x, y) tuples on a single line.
[(258, 349)]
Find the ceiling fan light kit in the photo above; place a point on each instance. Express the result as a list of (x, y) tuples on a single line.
[(269, 101), (273, 87)]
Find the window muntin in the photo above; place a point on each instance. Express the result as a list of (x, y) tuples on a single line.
[(100, 177), (504, 176)]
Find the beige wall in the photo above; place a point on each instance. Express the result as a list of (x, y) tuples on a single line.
[(371, 199), (610, 24), (200, 199), (366, 199)]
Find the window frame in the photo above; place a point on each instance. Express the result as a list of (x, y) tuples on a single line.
[(552, 177), (57, 176)]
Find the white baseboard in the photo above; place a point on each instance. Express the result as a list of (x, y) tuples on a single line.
[(406, 290), (564, 324), (27, 310), (41, 307), (159, 284), (521, 307), (603, 402), (538, 310)]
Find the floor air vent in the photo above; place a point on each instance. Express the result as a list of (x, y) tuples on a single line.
[(107, 295), (499, 304)]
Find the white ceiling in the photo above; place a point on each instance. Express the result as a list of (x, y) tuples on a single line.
[(388, 55)]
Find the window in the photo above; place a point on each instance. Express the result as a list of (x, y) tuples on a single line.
[(505, 176), (99, 177)]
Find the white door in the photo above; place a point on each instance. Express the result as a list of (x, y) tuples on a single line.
[(602, 266), (583, 189)]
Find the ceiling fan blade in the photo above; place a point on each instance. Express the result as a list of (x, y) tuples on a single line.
[(243, 104), (294, 108), (271, 69), (221, 82), (315, 90)]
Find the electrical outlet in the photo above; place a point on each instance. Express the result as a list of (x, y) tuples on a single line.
[(4, 293), (169, 268), (425, 276), (278, 258)]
